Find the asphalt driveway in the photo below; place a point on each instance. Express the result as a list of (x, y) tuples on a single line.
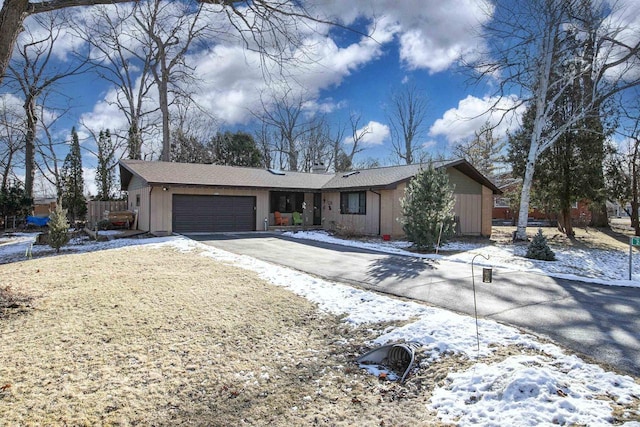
[(602, 322)]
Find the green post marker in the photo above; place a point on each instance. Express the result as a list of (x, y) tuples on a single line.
[(633, 241)]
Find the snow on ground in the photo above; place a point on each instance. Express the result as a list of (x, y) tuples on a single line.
[(606, 267), (548, 388)]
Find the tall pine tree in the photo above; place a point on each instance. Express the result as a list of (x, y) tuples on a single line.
[(106, 166), (235, 149), (73, 198)]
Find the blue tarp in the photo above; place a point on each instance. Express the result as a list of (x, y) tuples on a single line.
[(37, 220)]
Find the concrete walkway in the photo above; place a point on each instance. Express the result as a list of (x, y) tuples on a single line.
[(602, 322)]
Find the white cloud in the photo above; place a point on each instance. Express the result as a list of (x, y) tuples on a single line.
[(105, 115), (429, 144), (89, 177), (473, 113), (431, 37), (374, 133), (435, 34), (232, 81)]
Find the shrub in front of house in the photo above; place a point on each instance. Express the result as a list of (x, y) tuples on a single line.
[(427, 209), (539, 248)]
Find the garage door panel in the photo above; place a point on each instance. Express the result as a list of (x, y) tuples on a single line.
[(193, 213)]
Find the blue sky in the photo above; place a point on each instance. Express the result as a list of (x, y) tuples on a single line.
[(414, 42)]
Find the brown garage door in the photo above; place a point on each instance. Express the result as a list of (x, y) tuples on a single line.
[(211, 214)]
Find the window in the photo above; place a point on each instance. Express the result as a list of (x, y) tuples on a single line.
[(137, 200), (286, 202), (353, 203), (501, 202)]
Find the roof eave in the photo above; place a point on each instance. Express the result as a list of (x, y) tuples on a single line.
[(468, 169)]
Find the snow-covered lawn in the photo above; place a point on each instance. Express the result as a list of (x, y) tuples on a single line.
[(546, 386), (606, 267)]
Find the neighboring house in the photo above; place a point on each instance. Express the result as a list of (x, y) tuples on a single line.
[(44, 206), (190, 198), (615, 210), (503, 212)]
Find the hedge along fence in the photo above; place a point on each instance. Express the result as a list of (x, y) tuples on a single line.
[(96, 210)]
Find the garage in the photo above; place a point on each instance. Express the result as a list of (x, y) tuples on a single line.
[(213, 214)]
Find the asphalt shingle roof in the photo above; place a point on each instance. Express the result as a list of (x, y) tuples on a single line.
[(168, 173), (376, 177)]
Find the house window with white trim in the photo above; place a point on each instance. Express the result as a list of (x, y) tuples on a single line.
[(353, 203)]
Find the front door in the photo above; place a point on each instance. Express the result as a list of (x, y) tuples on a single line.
[(317, 208)]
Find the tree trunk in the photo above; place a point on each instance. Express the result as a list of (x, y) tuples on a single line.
[(29, 143), (599, 216), (635, 221), (12, 15), (565, 224), (635, 203), (525, 195), (560, 222), (523, 213), (164, 108), (7, 170)]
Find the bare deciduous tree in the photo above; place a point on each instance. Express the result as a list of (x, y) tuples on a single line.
[(48, 163), (317, 150), (622, 168), (286, 116), (484, 151), (265, 140), (345, 150), (33, 73), (170, 28), (266, 26), (117, 58), (407, 111), (11, 139)]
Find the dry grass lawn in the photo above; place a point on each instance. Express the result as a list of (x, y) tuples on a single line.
[(616, 238), (158, 337)]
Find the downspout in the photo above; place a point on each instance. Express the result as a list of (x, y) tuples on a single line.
[(150, 190), (379, 210)]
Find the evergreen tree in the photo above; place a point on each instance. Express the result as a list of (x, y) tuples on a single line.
[(58, 228), (73, 181), (14, 201), (235, 149), (428, 205), (186, 148), (569, 171), (539, 248), (106, 166)]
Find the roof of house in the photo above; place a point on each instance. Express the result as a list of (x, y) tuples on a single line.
[(192, 174), (197, 174)]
